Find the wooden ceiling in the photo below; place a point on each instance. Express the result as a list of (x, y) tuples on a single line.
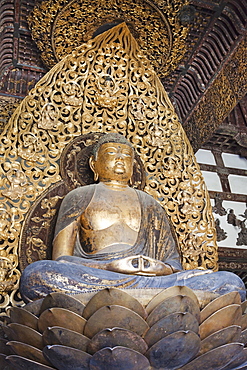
[(208, 88)]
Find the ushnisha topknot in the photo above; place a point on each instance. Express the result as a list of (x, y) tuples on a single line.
[(112, 137)]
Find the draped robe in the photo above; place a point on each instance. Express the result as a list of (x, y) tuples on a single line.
[(154, 240)]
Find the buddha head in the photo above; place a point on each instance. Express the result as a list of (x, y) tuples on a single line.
[(112, 159)]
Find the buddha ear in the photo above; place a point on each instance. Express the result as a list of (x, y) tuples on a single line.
[(92, 166)]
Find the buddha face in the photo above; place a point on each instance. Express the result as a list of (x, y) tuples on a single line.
[(114, 162)]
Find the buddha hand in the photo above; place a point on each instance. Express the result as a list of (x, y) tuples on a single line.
[(140, 265)]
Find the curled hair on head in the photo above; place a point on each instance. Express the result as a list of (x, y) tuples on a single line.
[(112, 137)]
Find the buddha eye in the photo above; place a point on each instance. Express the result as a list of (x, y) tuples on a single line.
[(111, 152)]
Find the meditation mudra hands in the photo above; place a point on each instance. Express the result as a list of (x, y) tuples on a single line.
[(140, 265)]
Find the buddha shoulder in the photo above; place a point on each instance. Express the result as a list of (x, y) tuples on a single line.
[(71, 205), (77, 194)]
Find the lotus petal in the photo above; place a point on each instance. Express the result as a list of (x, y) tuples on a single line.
[(178, 303), (21, 363), (244, 307), (4, 349), (61, 317), (27, 351), (227, 335), (5, 319), (169, 324), (216, 358), (174, 351), (238, 360), (4, 365), (66, 358), (115, 316), (65, 337), (120, 358), (34, 307), (117, 337), (21, 316), (2, 332), (244, 322), (171, 292), (227, 316), (8, 332), (243, 337), (241, 367), (220, 302), (27, 335), (63, 301), (113, 296)]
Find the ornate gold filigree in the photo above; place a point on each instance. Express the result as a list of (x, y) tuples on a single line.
[(9, 274), (7, 229), (192, 250), (49, 117), (137, 109), (59, 26), (7, 107), (73, 94), (116, 54), (171, 170), (222, 96), (35, 243), (30, 147), (158, 137), (16, 180), (106, 92), (236, 70), (6, 282)]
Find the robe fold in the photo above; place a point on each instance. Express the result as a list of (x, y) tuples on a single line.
[(154, 240)]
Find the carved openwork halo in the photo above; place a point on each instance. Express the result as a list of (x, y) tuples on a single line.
[(59, 26)]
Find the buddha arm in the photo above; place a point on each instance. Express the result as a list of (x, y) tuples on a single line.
[(63, 244)]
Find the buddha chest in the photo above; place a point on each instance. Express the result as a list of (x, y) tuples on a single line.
[(112, 218)]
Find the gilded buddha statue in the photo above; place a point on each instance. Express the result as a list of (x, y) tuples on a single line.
[(111, 235)]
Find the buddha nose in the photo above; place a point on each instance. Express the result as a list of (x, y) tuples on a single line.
[(119, 156)]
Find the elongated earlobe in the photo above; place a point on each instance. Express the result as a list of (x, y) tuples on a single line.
[(92, 166)]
